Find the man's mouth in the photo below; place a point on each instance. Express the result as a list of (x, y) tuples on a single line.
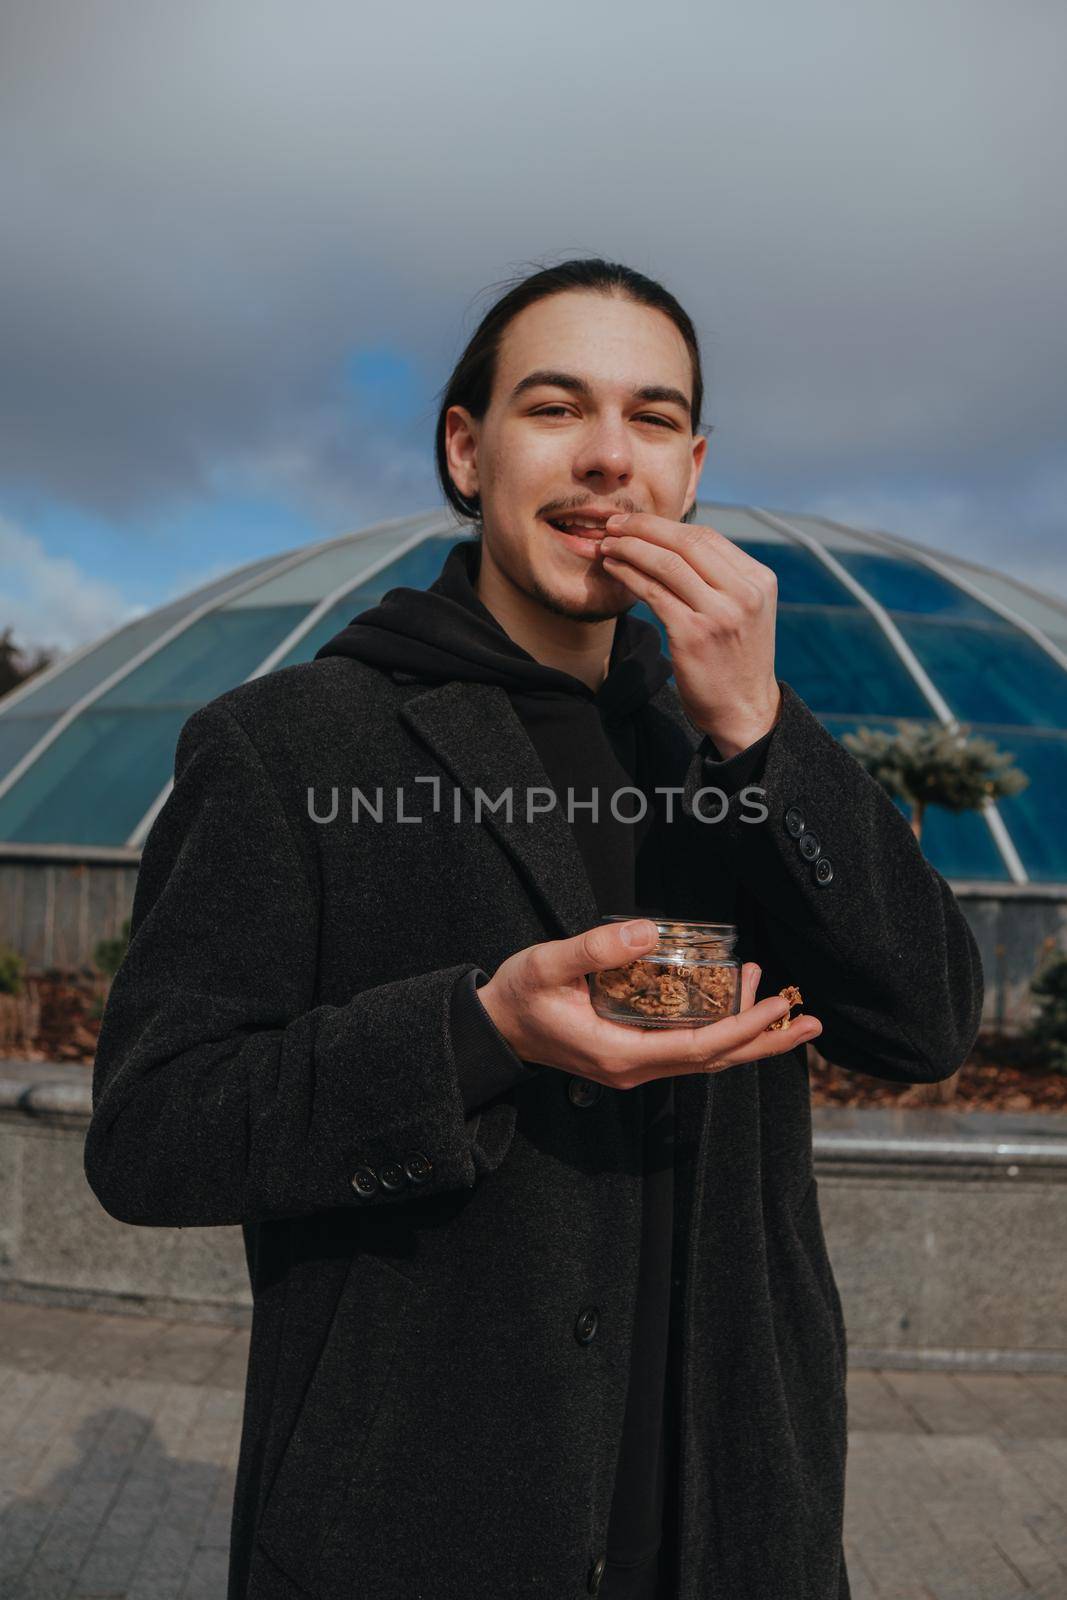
[(574, 525), (581, 539)]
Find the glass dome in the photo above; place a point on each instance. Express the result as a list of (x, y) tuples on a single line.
[(871, 628)]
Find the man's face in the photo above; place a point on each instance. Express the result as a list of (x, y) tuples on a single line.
[(547, 449)]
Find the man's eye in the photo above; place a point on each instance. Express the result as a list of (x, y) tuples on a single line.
[(648, 416)]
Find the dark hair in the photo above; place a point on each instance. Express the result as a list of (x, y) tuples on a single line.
[(471, 383)]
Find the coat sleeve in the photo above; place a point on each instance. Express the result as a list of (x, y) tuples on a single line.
[(221, 1093), (838, 898), (745, 767), (486, 1062)]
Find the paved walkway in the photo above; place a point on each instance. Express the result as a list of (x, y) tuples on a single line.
[(118, 1440)]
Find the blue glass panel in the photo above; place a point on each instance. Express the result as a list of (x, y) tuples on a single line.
[(417, 570), (1037, 818), (802, 579), (840, 661), (903, 585), (96, 781), (19, 734), (990, 674), (961, 846), (213, 655), (958, 844), (329, 623)]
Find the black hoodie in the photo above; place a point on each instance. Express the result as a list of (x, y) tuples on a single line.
[(589, 741)]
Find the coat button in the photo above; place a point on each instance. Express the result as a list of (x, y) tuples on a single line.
[(393, 1176), (794, 822), (586, 1325), (365, 1181), (809, 846), (596, 1574), (583, 1092), (418, 1167), (823, 870)]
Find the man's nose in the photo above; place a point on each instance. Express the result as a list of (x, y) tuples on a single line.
[(606, 451)]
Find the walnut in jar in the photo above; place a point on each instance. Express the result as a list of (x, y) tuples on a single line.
[(667, 997), (691, 978)]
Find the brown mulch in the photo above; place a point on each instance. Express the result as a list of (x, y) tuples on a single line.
[(55, 1020), (1001, 1074)]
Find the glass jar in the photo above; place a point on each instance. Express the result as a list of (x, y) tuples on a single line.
[(690, 976)]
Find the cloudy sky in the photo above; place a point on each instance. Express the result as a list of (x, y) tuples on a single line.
[(244, 244)]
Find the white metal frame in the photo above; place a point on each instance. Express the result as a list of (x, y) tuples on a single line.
[(218, 603), (436, 524)]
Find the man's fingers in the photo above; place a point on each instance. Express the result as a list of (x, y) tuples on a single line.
[(661, 1052), (738, 1032), (599, 949), (802, 1031), (727, 1043), (689, 1047)]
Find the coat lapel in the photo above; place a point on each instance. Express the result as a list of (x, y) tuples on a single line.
[(474, 732)]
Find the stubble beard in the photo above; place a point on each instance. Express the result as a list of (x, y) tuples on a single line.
[(576, 612)]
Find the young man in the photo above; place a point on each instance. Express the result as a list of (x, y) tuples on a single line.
[(542, 1302)]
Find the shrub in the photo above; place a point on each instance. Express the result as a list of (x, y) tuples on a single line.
[(108, 953), (12, 967)]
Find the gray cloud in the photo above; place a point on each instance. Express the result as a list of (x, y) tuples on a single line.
[(57, 604), (206, 207)]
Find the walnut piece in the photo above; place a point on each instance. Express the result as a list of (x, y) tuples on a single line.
[(667, 997), (795, 998)]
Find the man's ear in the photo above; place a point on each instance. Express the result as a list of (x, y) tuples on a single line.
[(700, 452), (461, 450)]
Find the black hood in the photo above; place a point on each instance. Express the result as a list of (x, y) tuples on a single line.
[(445, 632)]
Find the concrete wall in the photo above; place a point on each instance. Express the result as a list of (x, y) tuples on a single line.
[(1015, 928), (57, 902), (58, 1244), (945, 1230)]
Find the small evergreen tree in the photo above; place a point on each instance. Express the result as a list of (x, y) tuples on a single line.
[(926, 764), (1049, 1026)]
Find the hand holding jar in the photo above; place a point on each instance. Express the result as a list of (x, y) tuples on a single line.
[(544, 1000)]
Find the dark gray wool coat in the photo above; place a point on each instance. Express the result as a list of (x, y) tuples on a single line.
[(427, 1417)]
